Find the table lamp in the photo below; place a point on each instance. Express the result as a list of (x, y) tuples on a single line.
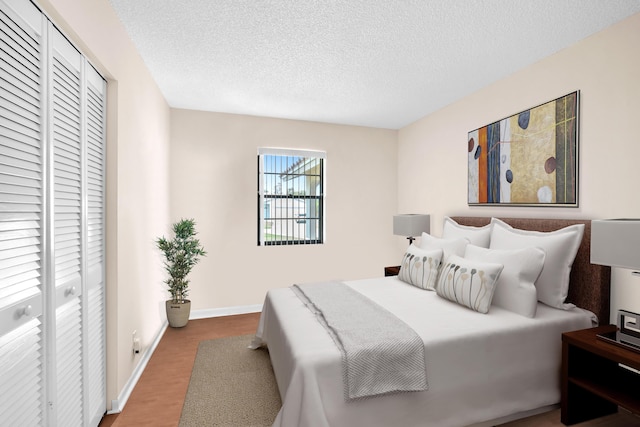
[(616, 243), (410, 225)]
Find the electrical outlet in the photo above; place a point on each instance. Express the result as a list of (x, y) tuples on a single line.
[(135, 342)]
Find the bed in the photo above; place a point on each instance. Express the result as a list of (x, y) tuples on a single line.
[(482, 369)]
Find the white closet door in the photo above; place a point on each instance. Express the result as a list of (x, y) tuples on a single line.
[(22, 71), (95, 397), (52, 309), (66, 143)]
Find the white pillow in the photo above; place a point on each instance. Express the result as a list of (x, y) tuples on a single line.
[(419, 267), (515, 289), (449, 246), (479, 236), (469, 283), (560, 247)]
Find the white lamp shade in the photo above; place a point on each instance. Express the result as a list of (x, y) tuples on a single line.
[(616, 242), (410, 225)]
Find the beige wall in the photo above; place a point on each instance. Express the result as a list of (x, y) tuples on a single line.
[(137, 180), (214, 180), (432, 156), (209, 170), (216, 155)]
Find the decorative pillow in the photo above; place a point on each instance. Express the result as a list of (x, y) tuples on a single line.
[(515, 289), (479, 236), (469, 283), (560, 247), (419, 267), (449, 246)]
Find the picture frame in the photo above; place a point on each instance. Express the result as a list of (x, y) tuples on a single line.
[(527, 159)]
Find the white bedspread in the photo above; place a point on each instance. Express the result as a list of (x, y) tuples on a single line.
[(481, 366)]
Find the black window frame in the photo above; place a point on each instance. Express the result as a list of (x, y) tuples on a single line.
[(288, 197)]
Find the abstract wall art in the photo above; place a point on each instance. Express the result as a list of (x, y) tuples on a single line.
[(527, 159)]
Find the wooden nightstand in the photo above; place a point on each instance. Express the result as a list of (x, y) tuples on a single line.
[(392, 271), (593, 382)]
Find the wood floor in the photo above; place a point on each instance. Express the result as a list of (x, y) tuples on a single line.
[(158, 396)]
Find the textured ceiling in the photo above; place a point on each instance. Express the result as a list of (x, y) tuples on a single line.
[(379, 63)]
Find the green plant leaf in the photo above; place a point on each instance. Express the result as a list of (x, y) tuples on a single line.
[(181, 253)]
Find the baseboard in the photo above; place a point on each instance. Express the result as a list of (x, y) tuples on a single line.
[(118, 404), (225, 311)]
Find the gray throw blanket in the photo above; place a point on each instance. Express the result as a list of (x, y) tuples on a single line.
[(380, 353)]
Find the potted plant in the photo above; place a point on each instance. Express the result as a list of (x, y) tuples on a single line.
[(180, 255)]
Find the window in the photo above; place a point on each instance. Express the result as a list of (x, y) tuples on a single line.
[(290, 197)]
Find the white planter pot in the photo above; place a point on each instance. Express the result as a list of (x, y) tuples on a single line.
[(178, 313)]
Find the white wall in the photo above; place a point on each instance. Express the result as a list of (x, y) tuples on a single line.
[(137, 180), (214, 180), (432, 152)]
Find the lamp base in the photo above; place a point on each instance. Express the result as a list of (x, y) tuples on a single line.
[(411, 239)]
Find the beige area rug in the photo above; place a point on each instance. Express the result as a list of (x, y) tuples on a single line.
[(231, 386)]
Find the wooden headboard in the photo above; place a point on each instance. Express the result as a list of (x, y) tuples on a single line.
[(589, 285)]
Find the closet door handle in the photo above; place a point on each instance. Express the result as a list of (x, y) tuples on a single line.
[(26, 311), (71, 290)]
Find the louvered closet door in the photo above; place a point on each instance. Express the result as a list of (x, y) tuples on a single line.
[(66, 145), (95, 397), (22, 389), (52, 327)]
